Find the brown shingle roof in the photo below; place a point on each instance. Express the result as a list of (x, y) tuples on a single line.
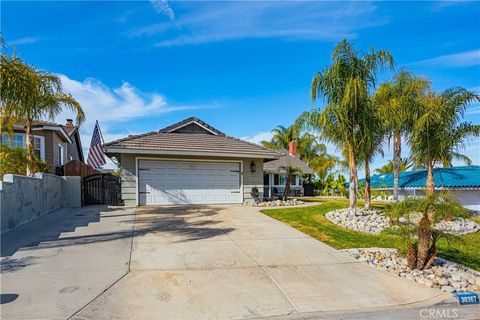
[(286, 160), (189, 142), (171, 140)]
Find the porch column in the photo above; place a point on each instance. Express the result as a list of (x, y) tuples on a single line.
[(270, 179)]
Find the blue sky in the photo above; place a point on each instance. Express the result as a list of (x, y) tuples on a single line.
[(243, 67)]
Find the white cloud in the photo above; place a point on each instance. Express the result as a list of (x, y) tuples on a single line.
[(162, 7), (112, 107), (107, 105), (26, 40), (460, 59), (260, 136), (207, 22)]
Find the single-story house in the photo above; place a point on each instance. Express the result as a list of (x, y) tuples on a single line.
[(462, 183), (189, 162), (275, 177), (54, 143)]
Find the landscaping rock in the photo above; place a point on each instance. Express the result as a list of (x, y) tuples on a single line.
[(368, 221), (276, 203), (444, 275), (374, 221)]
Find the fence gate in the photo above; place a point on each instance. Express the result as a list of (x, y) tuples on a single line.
[(102, 188)]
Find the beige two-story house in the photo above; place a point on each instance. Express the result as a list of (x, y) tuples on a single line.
[(54, 143)]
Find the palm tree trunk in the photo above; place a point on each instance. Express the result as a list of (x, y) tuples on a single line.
[(430, 188), (352, 165), (29, 146), (424, 242), (397, 154), (287, 189), (368, 195)]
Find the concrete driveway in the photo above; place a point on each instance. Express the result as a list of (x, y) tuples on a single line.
[(212, 262)]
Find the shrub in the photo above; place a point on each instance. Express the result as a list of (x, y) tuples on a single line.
[(14, 160), (420, 236)]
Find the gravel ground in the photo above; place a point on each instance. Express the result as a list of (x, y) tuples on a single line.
[(445, 275)]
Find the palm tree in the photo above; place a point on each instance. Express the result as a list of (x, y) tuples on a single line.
[(291, 173), (420, 237), (282, 137), (345, 86), (438, 135), (398, 103), (29, 94), (307, 144), (373, 138), (405, 165), (322, 164)]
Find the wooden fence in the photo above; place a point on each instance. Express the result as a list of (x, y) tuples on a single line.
[(78, 168)]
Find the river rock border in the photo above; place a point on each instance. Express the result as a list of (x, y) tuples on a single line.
[(363, 220), (374, 221), (445, 275), (276, 203)]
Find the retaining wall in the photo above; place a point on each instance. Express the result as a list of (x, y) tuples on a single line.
[(23, 199)]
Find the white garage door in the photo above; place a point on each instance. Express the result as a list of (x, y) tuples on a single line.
[(188, 182)]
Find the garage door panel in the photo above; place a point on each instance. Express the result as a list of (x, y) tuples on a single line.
[(176, 182)]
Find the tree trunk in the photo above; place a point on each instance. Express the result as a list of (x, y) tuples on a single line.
[(367, 186), (397, 157), (352, 165), (424, 242), (412, 256), (432, 253), (29, 147), (430, 182), (287, 188)]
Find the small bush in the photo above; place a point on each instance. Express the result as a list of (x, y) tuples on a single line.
[(14, 161)]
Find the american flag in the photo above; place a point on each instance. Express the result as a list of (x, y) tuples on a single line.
[(96, 156)]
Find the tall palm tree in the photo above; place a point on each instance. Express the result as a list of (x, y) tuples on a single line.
[(345, 86), (373, 138), (438, 135), (398, 103), (29, 94)]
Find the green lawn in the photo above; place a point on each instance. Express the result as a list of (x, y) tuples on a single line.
[(312, 221)]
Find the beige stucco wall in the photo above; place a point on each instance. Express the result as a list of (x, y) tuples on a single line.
[(129, 179)]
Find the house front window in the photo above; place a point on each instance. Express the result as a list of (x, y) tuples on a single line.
[(60, 155), (280, 180), (17, 141), (39, 147)]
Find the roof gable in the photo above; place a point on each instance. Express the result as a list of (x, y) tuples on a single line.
[(189, 137), (286, 160), (192, 125)]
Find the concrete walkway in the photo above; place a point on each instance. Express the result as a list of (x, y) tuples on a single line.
[(212, 262)]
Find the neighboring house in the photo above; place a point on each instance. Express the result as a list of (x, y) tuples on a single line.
[(189, 162), (275, 178), (462, 183), (54, 143)]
